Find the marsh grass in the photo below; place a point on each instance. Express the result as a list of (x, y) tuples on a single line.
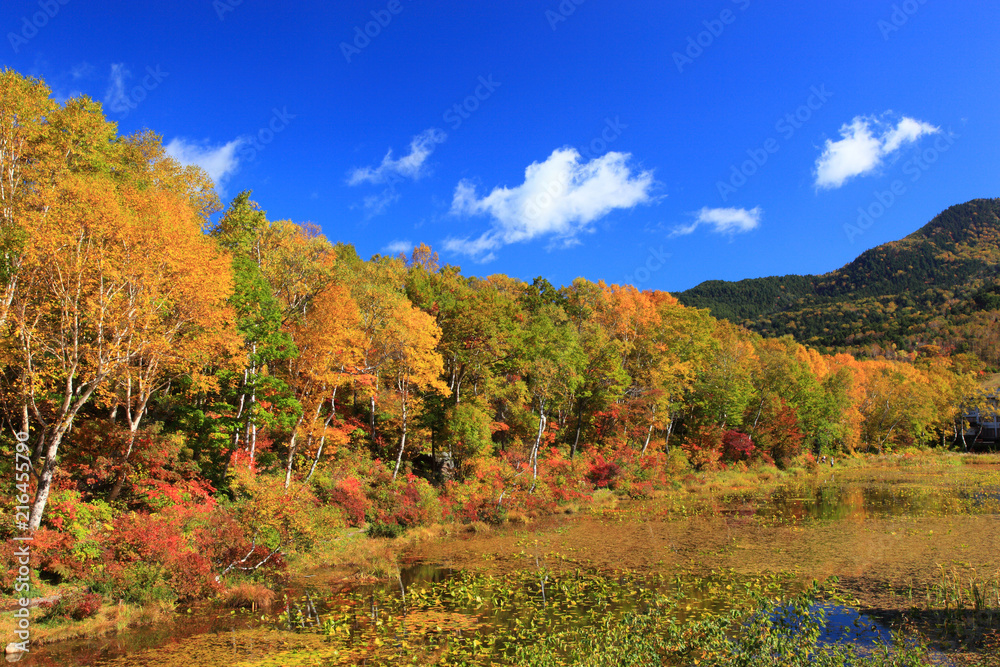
[(603, 499), (248, 595), (109, 619), (962, 605), (355, 555)]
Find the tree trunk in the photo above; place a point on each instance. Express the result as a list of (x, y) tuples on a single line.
[(133, 427), (579, 423), (45, 479), (292, 446), (538, 442), (120, 482), (67, 412), (402, 439), (239, 411), (322, 440), (756, 419), (649, 434)]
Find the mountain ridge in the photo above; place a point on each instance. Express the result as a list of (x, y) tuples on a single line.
[(926, 288)]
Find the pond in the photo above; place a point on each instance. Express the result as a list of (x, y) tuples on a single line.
[(434, 614)]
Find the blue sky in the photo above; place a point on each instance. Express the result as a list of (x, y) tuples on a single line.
[(656, 143)]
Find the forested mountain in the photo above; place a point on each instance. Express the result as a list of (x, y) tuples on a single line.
[(938, 286)]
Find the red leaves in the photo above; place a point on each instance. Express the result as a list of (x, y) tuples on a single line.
[(349, 495), (603, 474), (737, 446), (408, 501), (781, 436)]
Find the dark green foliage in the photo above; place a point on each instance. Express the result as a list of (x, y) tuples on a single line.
[(390, 530), (897, 294)]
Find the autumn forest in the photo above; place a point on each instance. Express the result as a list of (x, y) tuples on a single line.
[(203, 391)]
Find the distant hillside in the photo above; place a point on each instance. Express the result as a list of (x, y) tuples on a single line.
[(938, 285)]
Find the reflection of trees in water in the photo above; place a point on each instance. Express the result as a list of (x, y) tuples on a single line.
[(853, 506)]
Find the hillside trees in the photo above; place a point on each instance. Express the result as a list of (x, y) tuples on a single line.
[(480, 330), (552, 364), (684, 343), (723, 388), (116, 283), (413, 364), (103, 268), (179, 314), (26, 153), (604, 378), (259, 319), (895, 396), (328, 339)]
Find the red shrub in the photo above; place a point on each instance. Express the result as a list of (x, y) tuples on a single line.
[(603, 473), (78, 606), (640, 490), (408, 501), (704, 448), (177, 550), (737, 446), (51, 551), (780, 435), (348, 494), (565, 479)]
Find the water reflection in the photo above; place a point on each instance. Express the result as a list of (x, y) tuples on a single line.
[(857, 503)]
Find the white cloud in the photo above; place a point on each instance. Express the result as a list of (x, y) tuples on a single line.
[(908, 130), (219, 161), (558, 199), (397, 247), (82, 70), (724, 221), (865, 142), (115, 96), (377, 204), (408, 166)]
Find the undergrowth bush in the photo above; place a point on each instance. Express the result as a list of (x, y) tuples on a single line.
[(77, 606)]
